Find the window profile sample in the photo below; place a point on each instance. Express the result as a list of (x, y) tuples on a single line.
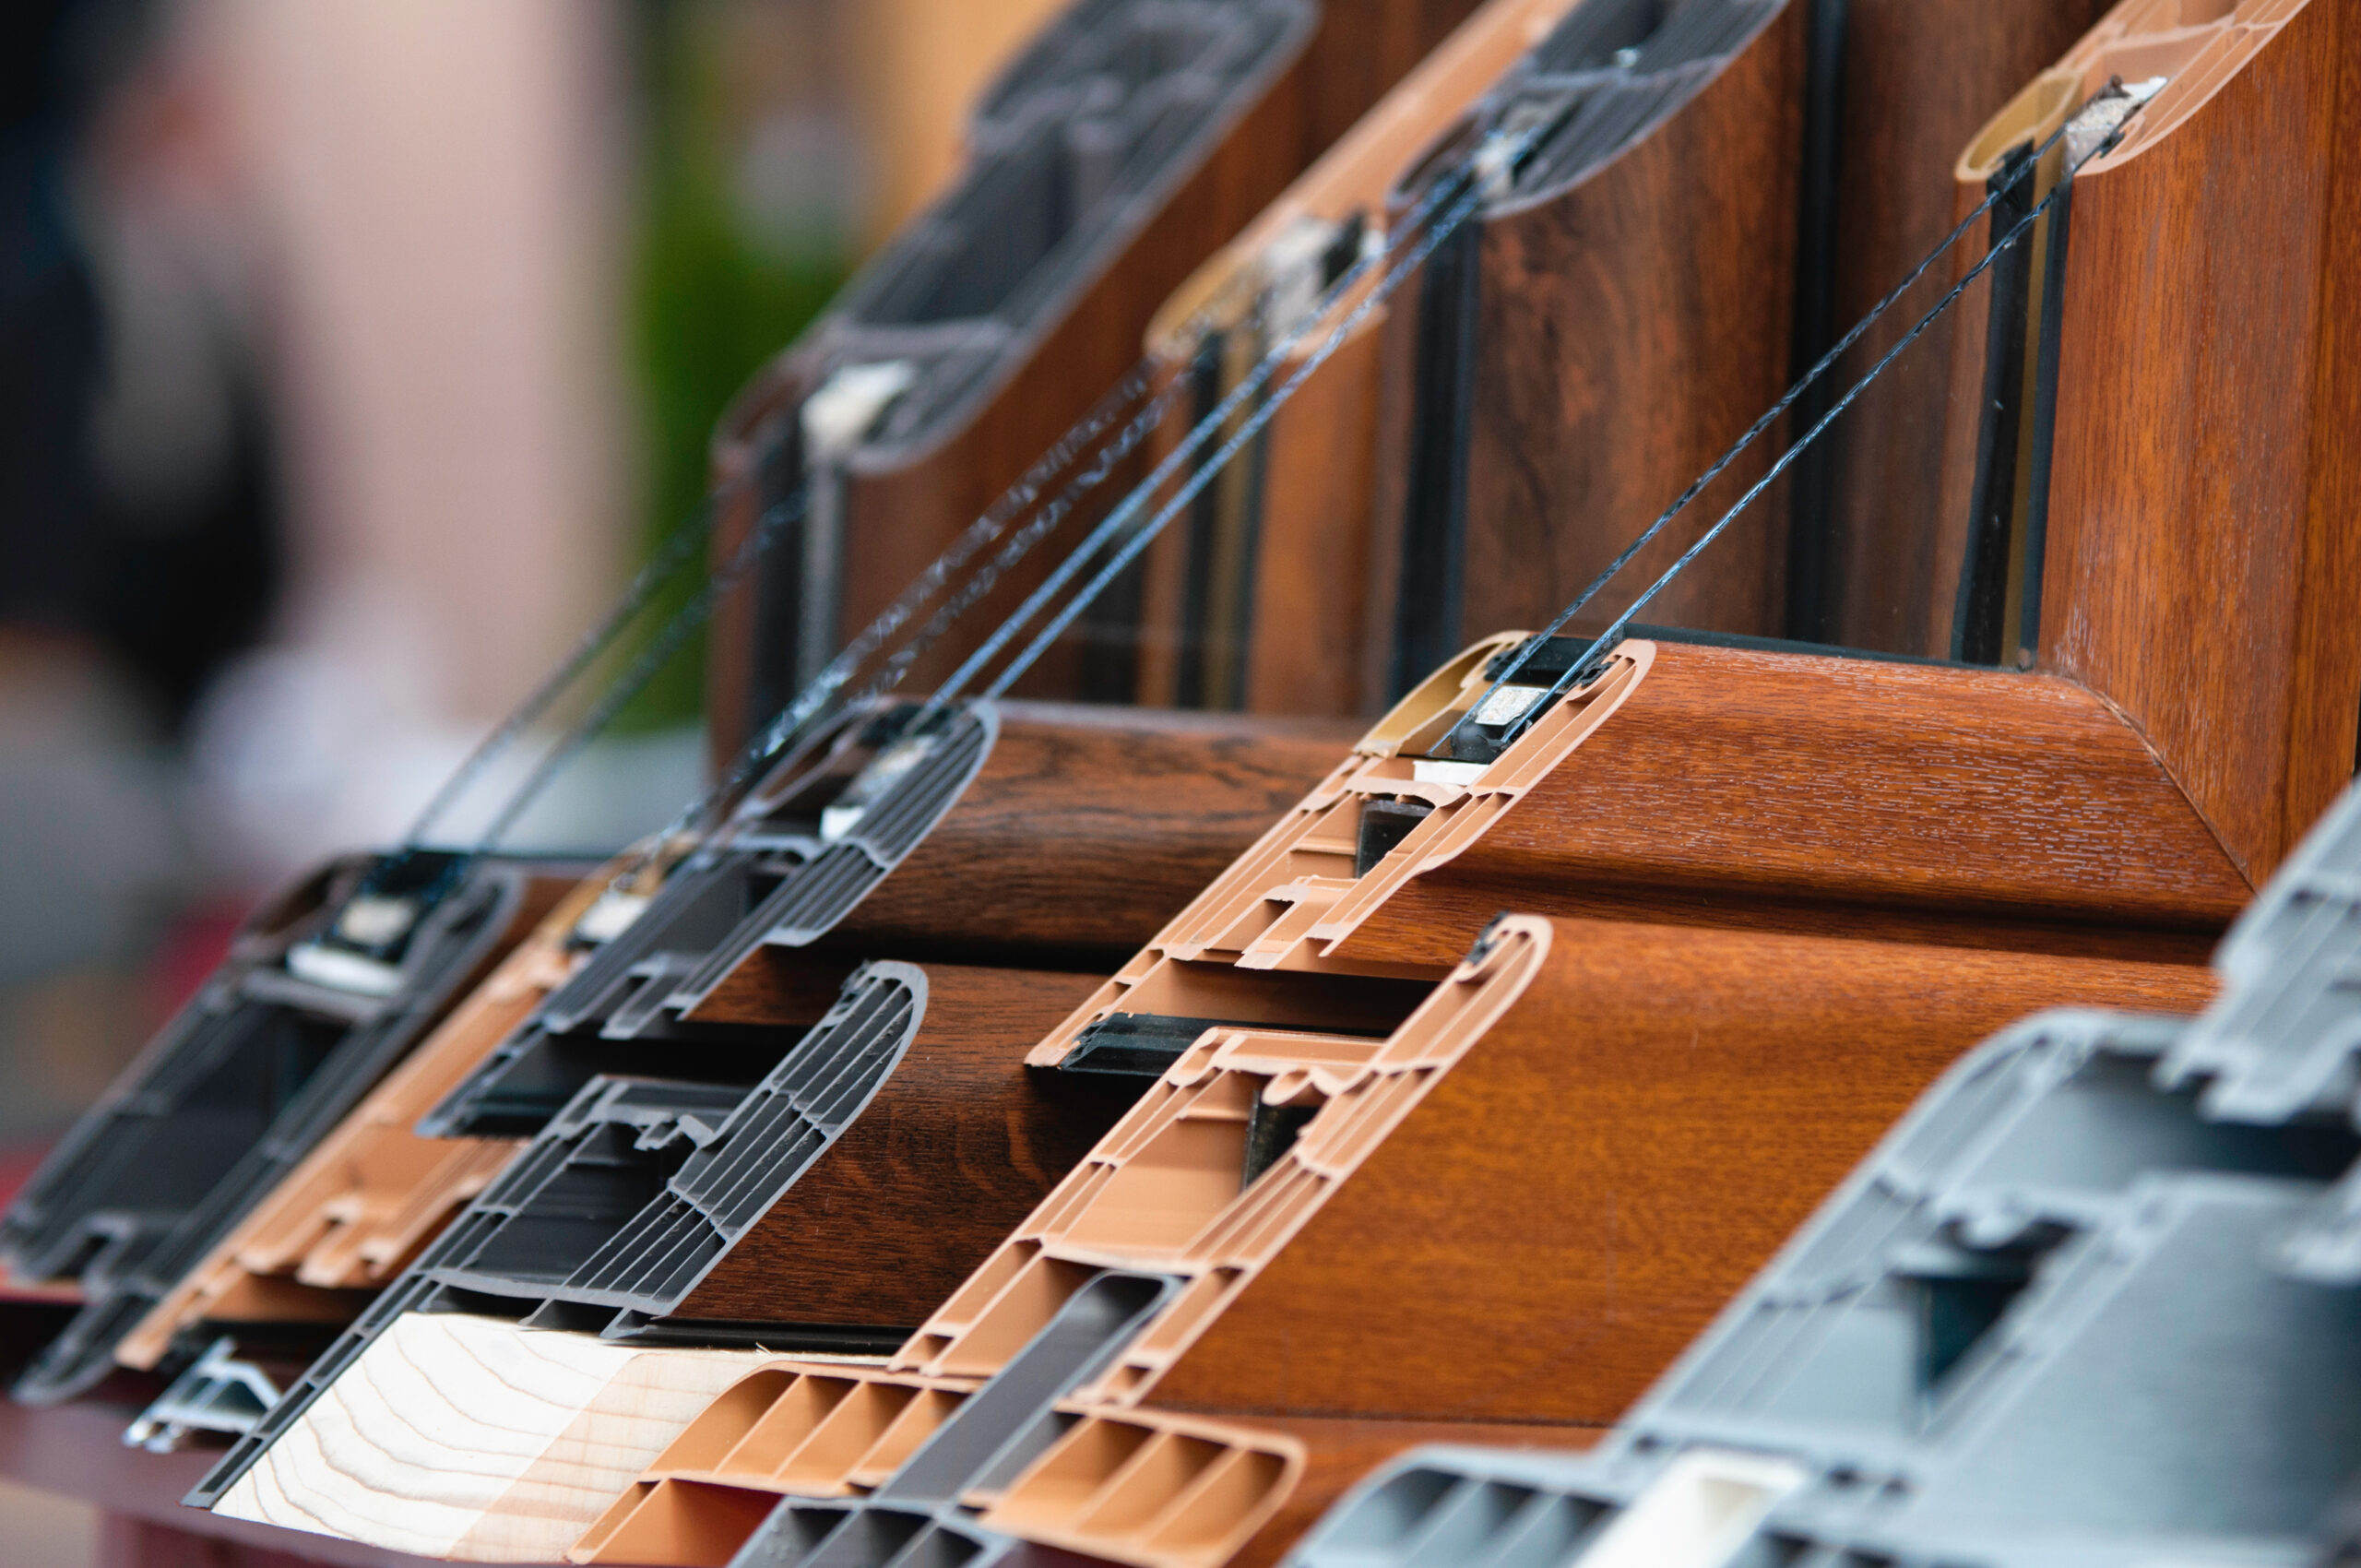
[(324, 990), (2074, 1308), (1597, 334), (1358, 1235), (2159, 547), (1073, 827), (1898, 88), (1124, 144), (1254, 599), (828, 1207)]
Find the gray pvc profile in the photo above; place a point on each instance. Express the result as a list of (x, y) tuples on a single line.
[(772, 878), (915, 1518), (234, 1092)]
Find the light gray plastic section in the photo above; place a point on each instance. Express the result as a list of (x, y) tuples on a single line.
[(913, 1519), (2284, 1038)]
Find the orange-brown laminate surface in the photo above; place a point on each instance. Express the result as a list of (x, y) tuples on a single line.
[(1800, 793), (2204, 530), (957, 1146), (1575, 1198), (1090, 827), (1627, 334)]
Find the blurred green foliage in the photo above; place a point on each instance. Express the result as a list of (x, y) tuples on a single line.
[(711, 299)]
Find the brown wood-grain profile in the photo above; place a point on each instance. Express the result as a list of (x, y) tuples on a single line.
[(1086, 826), (2204, 561), (1305, 618), (1916, 78), (958, 1146), (1629, 325), (1505, 1219), (1085, 829), (1705, 785), (905, 506)]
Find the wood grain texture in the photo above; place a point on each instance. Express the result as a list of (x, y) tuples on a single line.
[(1621, 1149), (1793, 791), (1088, 828), (1629, 328), (474, 1439), (2204, 556), (958, 1146), (1316, 461), (1920, 76)]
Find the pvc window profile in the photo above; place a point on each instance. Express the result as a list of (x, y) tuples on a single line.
[(782, 873), (238, 1088)]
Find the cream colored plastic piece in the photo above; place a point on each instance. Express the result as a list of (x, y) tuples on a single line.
[(1150, 1488), (800, 1429), (1706, 1506), (478, 1440), (1161, 1189), (2196, 45), (373, 1194), (1287, 903)]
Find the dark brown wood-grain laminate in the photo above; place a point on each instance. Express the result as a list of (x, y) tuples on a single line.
[(958, 1145), (1089, 827), (1631, 325), (1918, 78)]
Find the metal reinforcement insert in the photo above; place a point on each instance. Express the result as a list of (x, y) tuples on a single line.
[(803, 849), (917, 1515), (626, 1199), (322, 994)]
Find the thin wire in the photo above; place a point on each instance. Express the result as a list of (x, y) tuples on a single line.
[(1204, 430), (644, 666), (1754, 433), (839, 671), (1606, 641), (670, 556), (1247, 431)]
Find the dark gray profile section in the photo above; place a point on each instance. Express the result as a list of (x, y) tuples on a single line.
[(321, 995), (2093, 1302), (797, 857), (625, 1201), (915, 1518)]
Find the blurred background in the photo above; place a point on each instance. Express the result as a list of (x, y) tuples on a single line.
[(350, 357)]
